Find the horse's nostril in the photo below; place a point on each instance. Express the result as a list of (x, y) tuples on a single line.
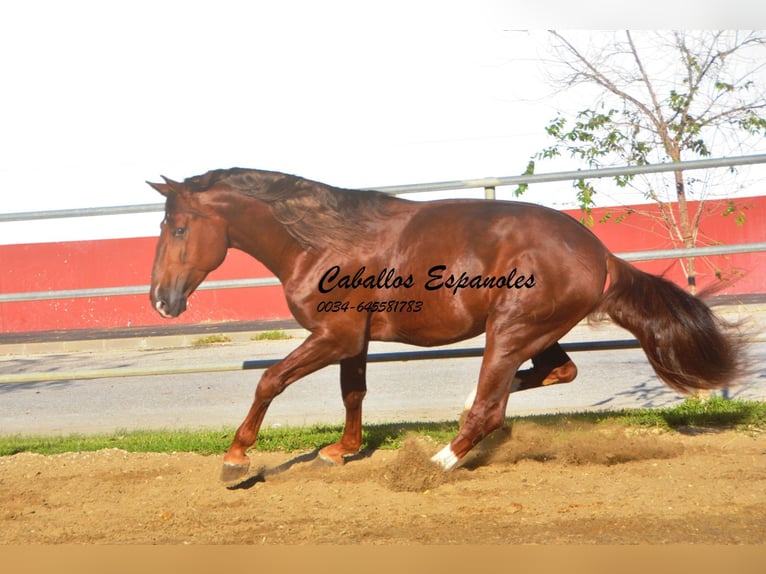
[(161, 308), (169, 308)]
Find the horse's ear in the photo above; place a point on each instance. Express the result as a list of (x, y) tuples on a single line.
[(161, 187), (167, 187)]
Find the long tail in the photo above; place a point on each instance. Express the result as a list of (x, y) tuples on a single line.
[(686, 344)]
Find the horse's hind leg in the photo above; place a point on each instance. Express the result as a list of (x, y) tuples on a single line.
[(550, 367), (505, 351), (487, 413), (353, 385)]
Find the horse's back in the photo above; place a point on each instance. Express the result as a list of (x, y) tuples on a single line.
[(486, 225)]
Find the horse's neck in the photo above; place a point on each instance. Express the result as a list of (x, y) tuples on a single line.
[(254, 230)]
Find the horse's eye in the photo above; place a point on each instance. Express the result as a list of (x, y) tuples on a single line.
[(179, 232)]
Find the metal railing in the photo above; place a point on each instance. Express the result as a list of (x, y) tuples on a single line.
[(419, 355), (488, 184), (272, 281)]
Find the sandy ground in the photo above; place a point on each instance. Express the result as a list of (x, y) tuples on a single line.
[(543, 486)]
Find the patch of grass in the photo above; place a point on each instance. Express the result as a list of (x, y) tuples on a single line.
[(270, 336), (747, 416), (287, 439), (715, 412), (202, 442), (718, 412), (211, 340)]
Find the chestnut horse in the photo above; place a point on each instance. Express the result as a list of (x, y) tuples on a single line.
[(362, 265)]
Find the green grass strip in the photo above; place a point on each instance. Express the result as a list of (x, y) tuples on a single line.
[(718, 413), (277, 335)]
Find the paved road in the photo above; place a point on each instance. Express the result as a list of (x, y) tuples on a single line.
[(426, 390)]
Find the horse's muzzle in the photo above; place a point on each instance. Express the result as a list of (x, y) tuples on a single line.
[(168, 306)]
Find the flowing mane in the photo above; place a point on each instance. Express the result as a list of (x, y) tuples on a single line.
[(316, 215)]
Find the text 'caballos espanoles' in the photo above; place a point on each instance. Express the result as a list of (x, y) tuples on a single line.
[(436, 278)]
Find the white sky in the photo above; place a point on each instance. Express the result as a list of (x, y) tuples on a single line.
[(97, 97)]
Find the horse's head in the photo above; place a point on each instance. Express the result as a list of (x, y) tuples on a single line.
[(193, 241)]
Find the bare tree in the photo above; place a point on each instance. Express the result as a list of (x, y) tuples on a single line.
[(660, 96)]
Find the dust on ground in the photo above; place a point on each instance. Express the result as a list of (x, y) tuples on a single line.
[(534, 485)]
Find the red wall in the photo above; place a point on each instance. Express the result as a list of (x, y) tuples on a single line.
[(639, 228), (114, 263), (122, 262)]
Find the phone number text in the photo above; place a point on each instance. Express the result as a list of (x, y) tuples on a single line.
[(407, 306)]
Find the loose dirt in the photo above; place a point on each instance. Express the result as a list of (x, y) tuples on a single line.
[(538, 486)]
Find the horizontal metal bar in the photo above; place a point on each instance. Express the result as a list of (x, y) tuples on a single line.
[(490, 182), (419, 355), (272, 281), (431, 354), (693, 252), (574, 175), (130, 290), (82, 212)]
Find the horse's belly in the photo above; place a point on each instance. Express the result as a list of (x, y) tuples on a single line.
[(426, 328)]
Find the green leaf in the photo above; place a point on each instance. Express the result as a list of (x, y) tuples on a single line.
[(724, 86), (522, 187)]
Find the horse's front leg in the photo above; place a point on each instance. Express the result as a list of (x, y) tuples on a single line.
[(353, 385), (317, 351)]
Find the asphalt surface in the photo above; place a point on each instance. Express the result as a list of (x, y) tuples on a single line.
[(44, 384)]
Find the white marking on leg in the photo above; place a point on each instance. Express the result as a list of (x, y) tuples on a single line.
[(445, 458), (469, 400)]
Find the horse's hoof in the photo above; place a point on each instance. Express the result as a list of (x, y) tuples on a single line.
[(331, 459), (233, 474)]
